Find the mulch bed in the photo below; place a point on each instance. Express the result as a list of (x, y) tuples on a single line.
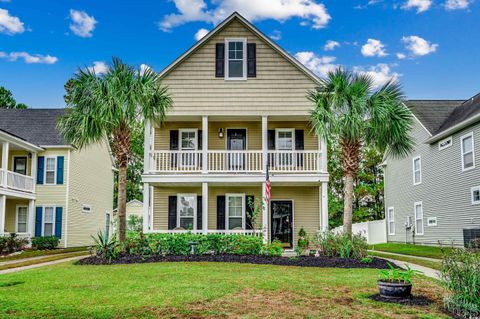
[(412, 301), (303, 261)]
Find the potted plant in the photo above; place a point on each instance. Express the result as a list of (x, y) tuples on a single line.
[(396, 283)]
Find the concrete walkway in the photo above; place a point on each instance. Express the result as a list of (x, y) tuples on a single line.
[(21, 260), (428, 272), (48, 263), (403, 255)]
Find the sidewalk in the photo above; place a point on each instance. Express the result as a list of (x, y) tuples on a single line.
[(403, 255), (48, 263), (21, 260)]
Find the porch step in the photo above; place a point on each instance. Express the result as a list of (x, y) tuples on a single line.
[(289, 253)]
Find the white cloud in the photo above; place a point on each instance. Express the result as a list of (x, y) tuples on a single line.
[(380, 73), (98, 67), (254, 10), (29, 58), (82, 24), (418, 46), (201, 33), (331, 45), (10, 24), (319, 65), (276, 35), (419, 5), (457, 4), (374, 47), (401, 56), (145, 67)]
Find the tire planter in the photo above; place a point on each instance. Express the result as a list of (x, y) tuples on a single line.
[(394, 290)]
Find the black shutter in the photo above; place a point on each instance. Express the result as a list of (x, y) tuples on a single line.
[(271, 146), (172, 212), (220, 60), (199, 212), (251, 60), (173, 147), (250, 207), (220, 212), (299, 145)]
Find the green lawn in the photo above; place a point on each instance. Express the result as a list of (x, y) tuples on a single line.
[(414, 260), (37, 253), (413, 250), (202, 290)]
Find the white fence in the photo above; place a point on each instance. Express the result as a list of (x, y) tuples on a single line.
[(374, 231)]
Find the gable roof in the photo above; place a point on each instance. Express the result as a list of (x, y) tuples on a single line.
[(237, 16), (432, 113), (36, 126), (468, 109)]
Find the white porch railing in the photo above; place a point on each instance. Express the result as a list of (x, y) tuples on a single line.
[(19, 181), (224, 161), (250, 232), (2, 173)]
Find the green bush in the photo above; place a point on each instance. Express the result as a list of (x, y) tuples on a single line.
[(43, 243), (342, 245), (461, 277), (105, 246), (303, 241), (12, 243), (274, 249)]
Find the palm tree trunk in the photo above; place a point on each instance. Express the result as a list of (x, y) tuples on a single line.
[(122, 200), (350, 164), (348, 204)]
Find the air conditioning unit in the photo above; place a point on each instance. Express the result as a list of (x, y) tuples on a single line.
[(471, 237)]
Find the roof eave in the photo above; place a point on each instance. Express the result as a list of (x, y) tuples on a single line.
[(453, 129)]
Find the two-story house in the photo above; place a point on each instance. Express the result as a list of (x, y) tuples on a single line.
[(433, 196), (48, 187), (239, 107)]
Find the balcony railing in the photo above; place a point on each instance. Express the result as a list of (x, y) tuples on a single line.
[(235, 161), (250, 232), (17, 181)]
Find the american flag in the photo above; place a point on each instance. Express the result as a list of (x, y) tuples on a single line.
[(268, 187)]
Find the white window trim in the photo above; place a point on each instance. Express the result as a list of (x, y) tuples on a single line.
[(432, 219), (87, 206), (54, 219), (227, 211), (227, 41), (278, 130), (55, 171), (415, 215), (419, 158), (182, 130), (448, 139), (463, 153), (473, 189), (195, 208), (390, 232), (16, 219)]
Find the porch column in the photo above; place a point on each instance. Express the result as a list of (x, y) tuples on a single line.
[(5, 150), (33, 170), (31, 217), (324, 155), (324, 206), (205, 144), (3, 204), (264, 214), (147, 142), (146, 207), (265, 142), (205, 208)]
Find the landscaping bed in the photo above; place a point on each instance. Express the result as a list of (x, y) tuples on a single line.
[(302, 261)]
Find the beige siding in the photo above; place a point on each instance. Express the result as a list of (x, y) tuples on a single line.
[(11, 213), (279, 87), (91, 183), (22, 154)]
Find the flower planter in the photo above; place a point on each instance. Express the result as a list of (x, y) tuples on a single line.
[(394, 290)]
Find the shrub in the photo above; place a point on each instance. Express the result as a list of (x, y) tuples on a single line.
[(398, 275), (303, 241), (43, 243), (105, 247), (12, 243), (134, 223), (342, 245), (461, 277), (273, 249)]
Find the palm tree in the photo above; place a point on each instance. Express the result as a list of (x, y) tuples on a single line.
[(112, 105), (348, 109)]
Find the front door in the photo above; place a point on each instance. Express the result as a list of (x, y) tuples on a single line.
[(282, 222), (236, 141)]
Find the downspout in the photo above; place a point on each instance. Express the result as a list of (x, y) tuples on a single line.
[(67, 198)]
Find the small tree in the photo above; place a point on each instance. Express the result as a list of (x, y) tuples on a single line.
[(7, 101), (256, 208)]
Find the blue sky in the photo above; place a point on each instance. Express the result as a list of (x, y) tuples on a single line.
[(431, 46)]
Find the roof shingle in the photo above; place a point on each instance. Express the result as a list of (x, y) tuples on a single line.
[(433, 113)]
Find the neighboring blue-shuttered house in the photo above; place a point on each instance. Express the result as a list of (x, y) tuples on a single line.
[(47, 186), (433, 196)]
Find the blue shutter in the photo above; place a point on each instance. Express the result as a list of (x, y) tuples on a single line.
[(38, 221), (58, 222), (60, 160), (40, 169)]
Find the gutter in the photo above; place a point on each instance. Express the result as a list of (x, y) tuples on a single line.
[(453, 129)]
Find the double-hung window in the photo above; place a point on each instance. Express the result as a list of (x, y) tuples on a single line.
[(285, 142), (20, 165), (48, 221), (188, 146), (475, 195), (468, 154), (50, 170), (235, 211), (236, 61), (391, 221), (418, 218), (417, 170), (22, 217), (187, 211)]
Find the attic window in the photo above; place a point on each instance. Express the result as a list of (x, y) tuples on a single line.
[(235, 62), (445, 143)]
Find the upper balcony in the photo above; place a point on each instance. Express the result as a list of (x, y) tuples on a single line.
[(234, 146)]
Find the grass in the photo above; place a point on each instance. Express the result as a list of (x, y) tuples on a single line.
[(203, 290), (47, 258), (37, 253), (422, 262), (412, 250)]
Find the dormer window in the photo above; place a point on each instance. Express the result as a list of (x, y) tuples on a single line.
[(236, 60)]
